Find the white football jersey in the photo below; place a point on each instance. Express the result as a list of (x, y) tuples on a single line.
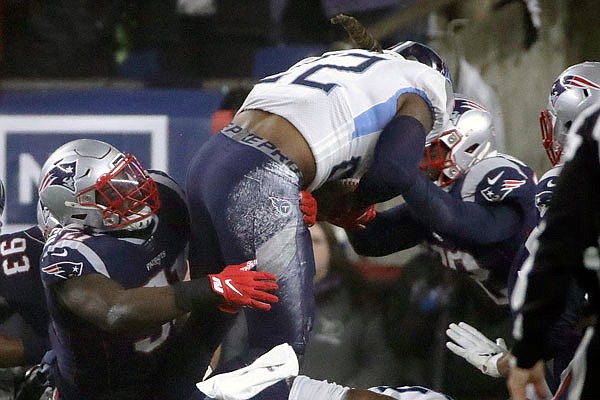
[(409, 393), (341, 101)]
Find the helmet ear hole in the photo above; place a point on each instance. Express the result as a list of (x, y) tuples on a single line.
[(471, 149)]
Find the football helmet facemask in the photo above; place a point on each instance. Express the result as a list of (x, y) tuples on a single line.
[(468, 138), (574, 90), (92, 184)]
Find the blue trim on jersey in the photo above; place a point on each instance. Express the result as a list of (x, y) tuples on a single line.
[(370, 121)]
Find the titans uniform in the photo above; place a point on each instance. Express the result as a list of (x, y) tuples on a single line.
[(21, 288), (477, 226), (409, 393), (91, 363), (244, 194), (342, 100)]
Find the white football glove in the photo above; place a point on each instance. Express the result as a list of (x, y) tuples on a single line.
[(476, 348)]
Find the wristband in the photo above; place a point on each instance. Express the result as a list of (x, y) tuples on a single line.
[(195, 295)]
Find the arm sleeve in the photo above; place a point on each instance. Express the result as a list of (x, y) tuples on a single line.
[(476, 223), (569, 227), (395, 162)]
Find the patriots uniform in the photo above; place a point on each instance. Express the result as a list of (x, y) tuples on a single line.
[(342, 100), (409, 393), (21, 287), (568, 236), (495, 180), (91, 363), (477, 226)]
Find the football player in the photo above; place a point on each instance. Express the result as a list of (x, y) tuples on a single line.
[(24, 330), (274, 376), (574, 90), (566, 250), (22, 293), (324, 119), (473, 205), (113, 298)]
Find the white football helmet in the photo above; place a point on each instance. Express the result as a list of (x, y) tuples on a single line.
[(92, 184), (468, 138), (574, 90)]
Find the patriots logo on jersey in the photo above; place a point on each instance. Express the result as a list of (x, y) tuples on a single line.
[(284, 207), (498, 191), (61, 175), (64, 269)]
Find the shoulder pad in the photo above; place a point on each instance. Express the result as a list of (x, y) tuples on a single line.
[(497, 178), (545, 189)]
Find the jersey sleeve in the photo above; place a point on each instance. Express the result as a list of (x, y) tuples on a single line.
[(502, 182), (545, 189), (466, 222), (68, 254)]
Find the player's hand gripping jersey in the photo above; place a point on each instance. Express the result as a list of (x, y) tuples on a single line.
[(342, 100)]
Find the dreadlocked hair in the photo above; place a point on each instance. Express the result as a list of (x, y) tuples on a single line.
[(358, 33)]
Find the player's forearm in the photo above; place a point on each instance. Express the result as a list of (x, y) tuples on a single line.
[(115, 309), (141, 310)]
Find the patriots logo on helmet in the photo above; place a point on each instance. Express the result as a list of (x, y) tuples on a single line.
[(578, 81), (61, 175), (571, 82), (64, 269), (557, 89), (284, 207), (463, 105)]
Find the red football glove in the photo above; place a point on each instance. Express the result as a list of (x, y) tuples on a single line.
[(354, 219), (308, 206), (241, 285)]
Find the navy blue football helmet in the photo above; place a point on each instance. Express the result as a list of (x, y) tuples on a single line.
[(423, 54)]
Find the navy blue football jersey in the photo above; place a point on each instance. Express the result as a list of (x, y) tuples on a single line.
[(91, 363), (495, 180), (20, 284)]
